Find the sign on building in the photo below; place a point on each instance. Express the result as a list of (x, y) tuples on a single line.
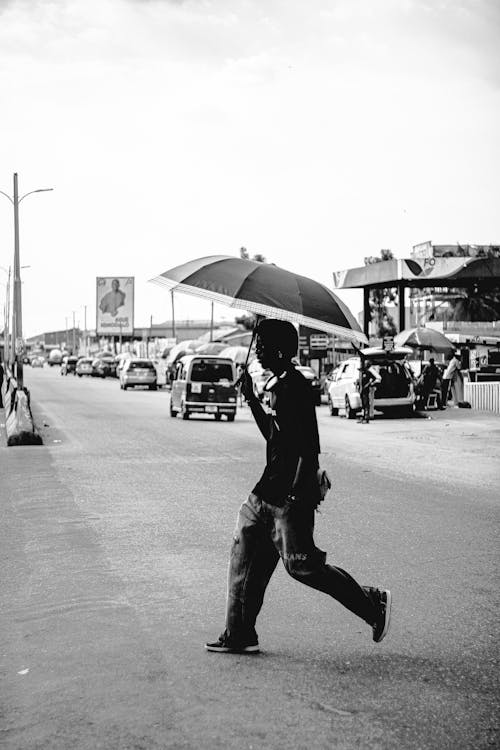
[(388, 343), (114, 305), (318, 341)]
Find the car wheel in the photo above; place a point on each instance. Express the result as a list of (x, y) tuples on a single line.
[(230, 417), (331, 407), (152, 387), (125, 387), (79, 375), (218, 417), (349, 411), (184, 412)]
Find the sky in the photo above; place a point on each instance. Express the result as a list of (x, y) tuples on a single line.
[(314, 132)]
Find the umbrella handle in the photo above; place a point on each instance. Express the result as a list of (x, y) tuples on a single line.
[(251, 344)]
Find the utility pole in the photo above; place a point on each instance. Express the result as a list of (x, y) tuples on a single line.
[(74, 334), (173, 315), (85, 334), (67, 334), (17, 323), (16, 347)]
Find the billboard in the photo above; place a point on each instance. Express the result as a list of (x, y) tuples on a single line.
[(114, 305)]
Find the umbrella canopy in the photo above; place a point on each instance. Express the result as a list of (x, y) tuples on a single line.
[(182, 348), (424, 339), (237, 353), (243, 338), (264, 289), (210, 347)]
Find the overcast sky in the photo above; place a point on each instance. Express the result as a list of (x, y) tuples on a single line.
[(315, 132)]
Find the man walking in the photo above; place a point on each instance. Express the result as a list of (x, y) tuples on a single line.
[(277, 519)]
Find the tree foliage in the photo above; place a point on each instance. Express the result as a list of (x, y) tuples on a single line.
[(247, 320), (380, 299), (256, 256), (475, 305)]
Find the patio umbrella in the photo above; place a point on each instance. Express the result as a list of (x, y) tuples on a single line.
[(237, 353), (182, 348), (266, 290), (424, 339), (210, 347)]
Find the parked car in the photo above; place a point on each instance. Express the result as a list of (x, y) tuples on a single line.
[(104, 367), (313, 379), (37, 361), (138, 372), (84, 366), (68, 365), (55, 357), (260, 376), (204, 384), (394, 392)]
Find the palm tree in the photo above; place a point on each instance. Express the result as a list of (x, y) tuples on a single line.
[(474, 305)]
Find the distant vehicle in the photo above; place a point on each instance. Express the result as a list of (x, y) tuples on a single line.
[(394, 392), (84, 366), (138, 372), (36, 355), (204, 384), (55, 357), (104, 365), (37, 361), (313, 379), (68, 365)]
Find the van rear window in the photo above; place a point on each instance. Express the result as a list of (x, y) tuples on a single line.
[(141, 365), (211, 372)]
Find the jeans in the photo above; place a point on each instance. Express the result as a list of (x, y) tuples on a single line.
[(265, 533)]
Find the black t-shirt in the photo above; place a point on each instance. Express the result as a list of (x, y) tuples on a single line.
[(293, 438)]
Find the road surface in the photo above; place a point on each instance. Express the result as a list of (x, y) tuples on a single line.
[(113, 547)]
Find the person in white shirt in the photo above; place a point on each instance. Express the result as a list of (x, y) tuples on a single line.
[(450, 376)]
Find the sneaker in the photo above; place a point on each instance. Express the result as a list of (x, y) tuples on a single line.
[(224, 646), (381, 625)]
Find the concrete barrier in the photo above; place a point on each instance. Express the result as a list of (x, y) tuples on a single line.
[(483, 396), (19, 423)]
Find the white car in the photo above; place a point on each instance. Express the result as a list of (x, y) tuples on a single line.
[(260, 376), (394, 392)]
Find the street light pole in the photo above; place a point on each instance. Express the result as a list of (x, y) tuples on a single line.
[(85, 324), (17, 327), (16, 349)]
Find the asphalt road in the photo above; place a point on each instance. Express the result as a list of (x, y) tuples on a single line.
[(113, 549)]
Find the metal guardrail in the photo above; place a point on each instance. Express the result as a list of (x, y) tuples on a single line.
[(483, 396)]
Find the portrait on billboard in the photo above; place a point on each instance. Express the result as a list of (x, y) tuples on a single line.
[(115, 305)]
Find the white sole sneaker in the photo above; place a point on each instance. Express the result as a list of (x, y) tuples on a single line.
[(387, 620), (221, 649)]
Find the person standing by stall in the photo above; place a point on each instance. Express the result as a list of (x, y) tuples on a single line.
[(451, 375)]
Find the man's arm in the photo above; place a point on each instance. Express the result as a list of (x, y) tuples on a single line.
[(261, 417)]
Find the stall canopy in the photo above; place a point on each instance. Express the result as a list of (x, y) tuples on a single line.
[(420, 274)]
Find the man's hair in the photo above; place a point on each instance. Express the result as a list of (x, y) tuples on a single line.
[(280, 335)]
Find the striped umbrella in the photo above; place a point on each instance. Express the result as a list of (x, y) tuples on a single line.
[(266, 290)]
